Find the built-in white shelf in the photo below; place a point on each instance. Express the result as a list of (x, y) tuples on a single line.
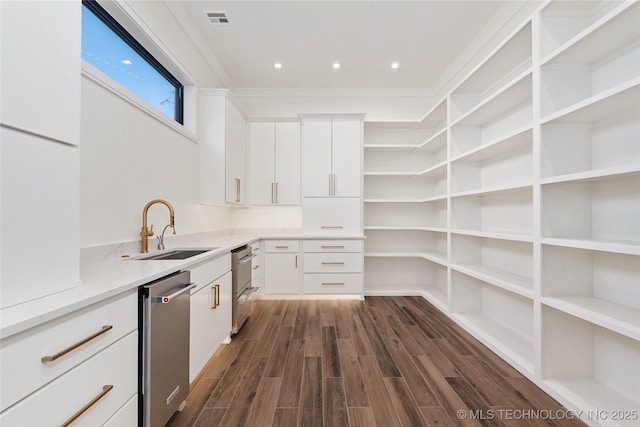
[(590, 366), (436, 118), (615, 246), (436, 143), (562, 23), (494, 235), (391, 147), (429, 256), (605, 209), (594, 175), (409, 228), (406, 187)]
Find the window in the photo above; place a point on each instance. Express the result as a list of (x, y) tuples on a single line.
[(111, 49)]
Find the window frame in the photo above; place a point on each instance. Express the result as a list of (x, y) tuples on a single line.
[(122, 33)]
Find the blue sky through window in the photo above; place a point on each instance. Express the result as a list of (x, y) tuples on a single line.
[(106, 51)]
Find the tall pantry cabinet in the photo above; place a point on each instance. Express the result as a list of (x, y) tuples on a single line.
[(40, 134), (514, 205)]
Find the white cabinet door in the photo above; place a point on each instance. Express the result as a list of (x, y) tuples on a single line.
[(316, 158), (331, 216), (282, 273), (287, 161), (40, 214), (236, 151), (345, 157), (37, 95), (210, 323), (262, 147)]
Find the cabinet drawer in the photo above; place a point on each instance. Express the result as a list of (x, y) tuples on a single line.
[(203, 274), (116, 366), (332, 263), (255, 247), (333, 245), (333, 283), (23, 371), (281, 246), (126, 416), (332, 216)]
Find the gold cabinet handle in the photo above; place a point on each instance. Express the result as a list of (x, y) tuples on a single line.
[(213, 297), (332, 263), (58, 355), (282, 247), (276, 193), (331, 226), (255, 267), (217, 295), (332, 283), (296, 261), (105, 389), (332, 246), (237, 189)]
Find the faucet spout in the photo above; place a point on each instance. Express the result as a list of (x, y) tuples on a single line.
[(145, 232)]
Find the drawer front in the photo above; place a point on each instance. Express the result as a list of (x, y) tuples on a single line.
[(54, 404), (333, 283), (272, 246), (203, 274), (126, 416), (333, 245), (255, 247), (331, 216), (332, 263), (23, 371)]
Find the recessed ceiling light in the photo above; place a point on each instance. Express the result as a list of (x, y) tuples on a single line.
[(394, 65), (126, 62), (277, 65), (336, 65)]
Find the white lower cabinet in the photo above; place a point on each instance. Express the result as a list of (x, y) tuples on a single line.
[(333, 267), (127, 416), (282, 265), (108, 380), (210, 312)]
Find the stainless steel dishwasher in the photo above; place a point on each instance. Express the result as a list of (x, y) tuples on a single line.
[(164, 348), (241, 289)]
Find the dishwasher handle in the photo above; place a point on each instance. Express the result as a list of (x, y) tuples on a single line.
[(166, 299), (247, 259), (244, 297)]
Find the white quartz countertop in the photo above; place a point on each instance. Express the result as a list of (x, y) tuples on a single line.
[(108, 274)]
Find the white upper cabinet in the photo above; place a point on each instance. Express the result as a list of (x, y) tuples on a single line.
[(222, 137), (274, 163), (40, 68), (331, 157)]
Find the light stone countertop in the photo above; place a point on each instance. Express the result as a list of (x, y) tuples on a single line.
[(104, 273)]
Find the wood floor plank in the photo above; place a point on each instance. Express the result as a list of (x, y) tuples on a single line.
[(326, 312), (220, 361), (300, 326), (289, 396), (260, 321), (269, 336), (432, 351), (238, 410), (264, 406), (354, 388), (278, 357), (210, 417), (400, 329), (313, 337), (197, 398), (385, 361), (445, 394), (437, 416), (224, 391), (359, 337), (408, 412), (341, 317), (285, 417), (383, 410), (473, 401), (335, 404), (330, 355), (361, 417), (311, 403), (290, 313)]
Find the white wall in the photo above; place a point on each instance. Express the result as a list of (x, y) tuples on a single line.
[(267, 217)]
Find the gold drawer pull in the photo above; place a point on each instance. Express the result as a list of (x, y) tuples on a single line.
[(105, 389), (282, 247), (255, 267), (331, 226), (332, 283), (333, 263), (217, 295), (58, 355), (332, 246)]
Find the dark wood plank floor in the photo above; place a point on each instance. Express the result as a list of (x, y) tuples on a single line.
[(386, 362)]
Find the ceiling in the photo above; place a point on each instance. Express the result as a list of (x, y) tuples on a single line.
[(307, 37)]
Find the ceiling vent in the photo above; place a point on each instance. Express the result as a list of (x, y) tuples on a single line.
[(217, 18)]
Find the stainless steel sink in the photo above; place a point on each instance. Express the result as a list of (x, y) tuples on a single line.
[(174, 254)]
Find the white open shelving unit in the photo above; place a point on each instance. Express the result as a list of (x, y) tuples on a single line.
[(514, 204)]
